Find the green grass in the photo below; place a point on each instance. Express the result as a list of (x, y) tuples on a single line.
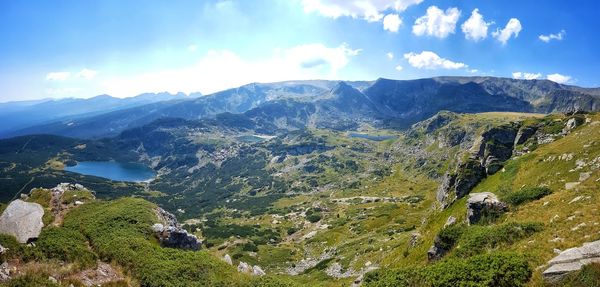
[(70, 196)]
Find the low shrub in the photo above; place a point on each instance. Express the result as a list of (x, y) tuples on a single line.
[(67, 245), (487, 270), (315, 217), (527, 194), (478, 239)]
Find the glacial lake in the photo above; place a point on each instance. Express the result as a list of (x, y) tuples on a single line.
[(372, 137), (117, 171)]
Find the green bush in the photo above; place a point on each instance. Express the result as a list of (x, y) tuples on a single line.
[(487, 270), (478, 239), (250, 246), (526, 195), (17, 250), (448, 237), (315, 217), (67, 245)]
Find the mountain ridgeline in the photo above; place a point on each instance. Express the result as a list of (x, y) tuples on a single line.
[(339, 105)]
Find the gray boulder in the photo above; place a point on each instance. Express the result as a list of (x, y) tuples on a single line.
[(572, 123), (170, 233), (257, 271), (23, 220), (572, 259), (484, 204), (244, 267)]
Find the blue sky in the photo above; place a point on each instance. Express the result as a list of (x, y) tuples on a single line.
[(124, 48)]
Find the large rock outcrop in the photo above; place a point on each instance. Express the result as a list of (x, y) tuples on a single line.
[(571, 260), (23, 220), (484, 205), (170, 233), (487, 156)]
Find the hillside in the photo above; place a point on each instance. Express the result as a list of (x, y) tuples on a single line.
[(323, 207)]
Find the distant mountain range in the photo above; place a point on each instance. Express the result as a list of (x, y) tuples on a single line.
[(21, 115), (298, 104)]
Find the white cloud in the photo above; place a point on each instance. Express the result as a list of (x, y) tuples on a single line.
[(390, 55), (558, 36), (87, 74), (475, 28), (473, 71), (219, 70), (436, 22), (370, 10), (526, 76), (398, 68), (513, 27), (58, 76), (392, 22), (430, 60), (558, 78)]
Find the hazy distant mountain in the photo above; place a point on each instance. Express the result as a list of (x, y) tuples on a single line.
[(341, 105), (22, 114)]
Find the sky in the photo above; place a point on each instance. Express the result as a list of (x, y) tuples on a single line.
[(73, 48)]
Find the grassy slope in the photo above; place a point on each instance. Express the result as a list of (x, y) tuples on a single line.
[(570, 223)]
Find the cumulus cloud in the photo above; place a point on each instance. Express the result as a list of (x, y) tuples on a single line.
[(436, 22), (370, 10), (558, 36), (558, 78), (222, 69), (526, 76), (58, 76), (398, 68), (430, 60), (390, 55), (87, 74), (392, 23), (475, 28), (512, 28)]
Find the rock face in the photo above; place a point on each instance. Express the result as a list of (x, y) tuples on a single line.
[(483, 204), (23, 220), (170, 233), (571, 260), (488, 154)]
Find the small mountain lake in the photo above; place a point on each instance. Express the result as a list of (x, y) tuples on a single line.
[(372, 137), (117, 171)]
